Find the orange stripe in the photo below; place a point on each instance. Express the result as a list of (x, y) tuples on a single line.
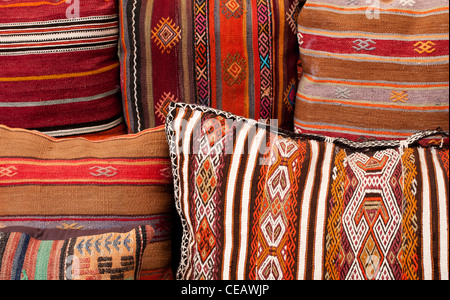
[(424, 108), (29, 4), (336, 128), (60, 76), (374, 58), (375, 83), (381, 9)]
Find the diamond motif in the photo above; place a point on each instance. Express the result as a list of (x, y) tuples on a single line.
[(234, 69), (162, 108), (166, 34), (206, 181), (232, 8), (205, 240)]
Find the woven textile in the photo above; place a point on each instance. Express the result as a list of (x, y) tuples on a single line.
[(260, 204), (59, 69), (235, 55), (30, 254), (79, 184), (373, 69)]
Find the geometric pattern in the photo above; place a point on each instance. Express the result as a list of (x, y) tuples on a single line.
[(232, 8), (166, 34), (372, 216), (234, 69), (283, 206)]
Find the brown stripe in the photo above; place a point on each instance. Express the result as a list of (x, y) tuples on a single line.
[(387, 23), (434, 216), (312, 218), (157, 255), (376, 71), (151, 143), (94, 200), (370, 118)]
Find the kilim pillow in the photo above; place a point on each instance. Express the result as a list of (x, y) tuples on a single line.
[(260, 204), (55, 254), (80, 184), (235, 55), (59, 68), (373, 69)]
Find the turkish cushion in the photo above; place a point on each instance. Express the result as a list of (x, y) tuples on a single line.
[(260, 204), (235, 55), (80, 184), (60, 68), (30, 254), (373, 71)]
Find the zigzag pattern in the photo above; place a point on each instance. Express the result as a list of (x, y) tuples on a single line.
[(109, 244), (265, 52), (333, 239), (202, 52), (409, 226)]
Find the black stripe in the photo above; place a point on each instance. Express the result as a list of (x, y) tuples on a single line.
[(79, 126), (4, 237), (58, 32), (62, 47)]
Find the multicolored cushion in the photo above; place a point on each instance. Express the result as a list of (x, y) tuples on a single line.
[(373, 69), (260, 204), (80, 184), (31, 254), (59, 66), (235, 55)]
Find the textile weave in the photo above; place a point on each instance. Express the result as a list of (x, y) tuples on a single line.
[(59, 72), (373, 69), (115, 255), (79, 184), (260, 204), (235, 55)]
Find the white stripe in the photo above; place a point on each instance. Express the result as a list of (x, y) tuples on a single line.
[(245, 205), (185, 202), (84, 130), (67, 35), (443, 217), (229, 200), (321, 212), (304, 220), (426, 218)]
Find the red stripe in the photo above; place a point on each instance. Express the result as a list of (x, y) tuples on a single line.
[(389, 48), (97, 172)]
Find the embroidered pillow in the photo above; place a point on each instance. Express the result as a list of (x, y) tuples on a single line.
[(79, 184), (235, 55), (59, 66), (260, 204), (373, 69), (30, 254)]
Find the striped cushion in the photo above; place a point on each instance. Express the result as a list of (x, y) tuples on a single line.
[(261, 204), (59, 66), (236, 55), (30, 254), (79, 184), (373, 71)]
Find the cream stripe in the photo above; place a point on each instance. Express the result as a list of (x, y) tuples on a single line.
[(443, 219), (229, 200), (69, 35), (185, 202), (303, 239), (321, 212), (245, 205), (426, 219)]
